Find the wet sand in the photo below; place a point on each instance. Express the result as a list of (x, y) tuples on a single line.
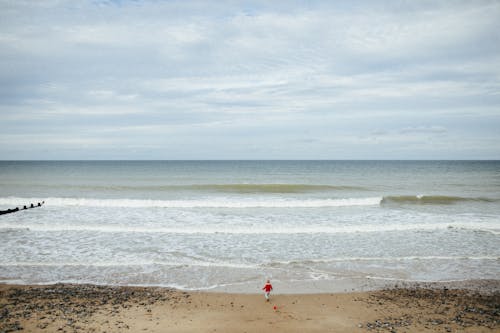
[(472, 307)]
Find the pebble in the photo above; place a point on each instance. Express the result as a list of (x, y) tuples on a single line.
[(73, 303), (463, 308)]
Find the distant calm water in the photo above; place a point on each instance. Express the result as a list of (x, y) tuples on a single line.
[(231, 224)]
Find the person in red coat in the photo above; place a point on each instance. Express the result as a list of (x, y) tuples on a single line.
[(267, 290)]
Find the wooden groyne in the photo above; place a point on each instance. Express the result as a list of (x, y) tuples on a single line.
[(17, 209)]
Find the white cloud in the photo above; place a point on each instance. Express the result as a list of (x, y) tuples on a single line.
[(423, 130), (315, 73)]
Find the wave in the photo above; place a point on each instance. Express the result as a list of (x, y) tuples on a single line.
[(245, 202), (207, 203), (253, 230), (126, 264), (433, 199), (273, 264), (224, 188), (269, 188), (308, 262)]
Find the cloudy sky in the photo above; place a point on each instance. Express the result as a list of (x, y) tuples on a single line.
[(249, 79)]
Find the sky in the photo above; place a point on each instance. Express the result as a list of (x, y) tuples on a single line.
[(182, 80)]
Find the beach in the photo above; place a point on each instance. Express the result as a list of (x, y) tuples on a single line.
[(91, 308)]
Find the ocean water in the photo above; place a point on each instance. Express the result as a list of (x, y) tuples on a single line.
[(229, 225)]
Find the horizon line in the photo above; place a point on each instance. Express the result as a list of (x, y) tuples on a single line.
[(250, 160)]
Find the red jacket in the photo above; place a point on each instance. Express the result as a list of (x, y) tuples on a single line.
[(268, 287)]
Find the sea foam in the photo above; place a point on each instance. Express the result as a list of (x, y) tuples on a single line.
[(197, 203)]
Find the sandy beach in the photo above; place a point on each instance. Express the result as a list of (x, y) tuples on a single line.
[(90, 308)]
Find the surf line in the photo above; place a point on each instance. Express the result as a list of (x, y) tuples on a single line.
[(8, 211)]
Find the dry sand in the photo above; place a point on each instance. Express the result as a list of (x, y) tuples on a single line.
[(88, 308)]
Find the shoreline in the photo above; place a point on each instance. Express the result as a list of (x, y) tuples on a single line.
[(468, 306), (349, 285), (317, 287)]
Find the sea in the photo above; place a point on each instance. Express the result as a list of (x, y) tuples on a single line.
[(309, 226)]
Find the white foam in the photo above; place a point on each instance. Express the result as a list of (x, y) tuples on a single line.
[(276, 264), (103, 264), (250, 230), (212, 203), (375, 259)]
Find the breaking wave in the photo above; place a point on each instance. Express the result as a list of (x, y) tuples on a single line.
[(197, 203), (432, 199), (222, 264), (309, 262), (250, 230), (246, 202)]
